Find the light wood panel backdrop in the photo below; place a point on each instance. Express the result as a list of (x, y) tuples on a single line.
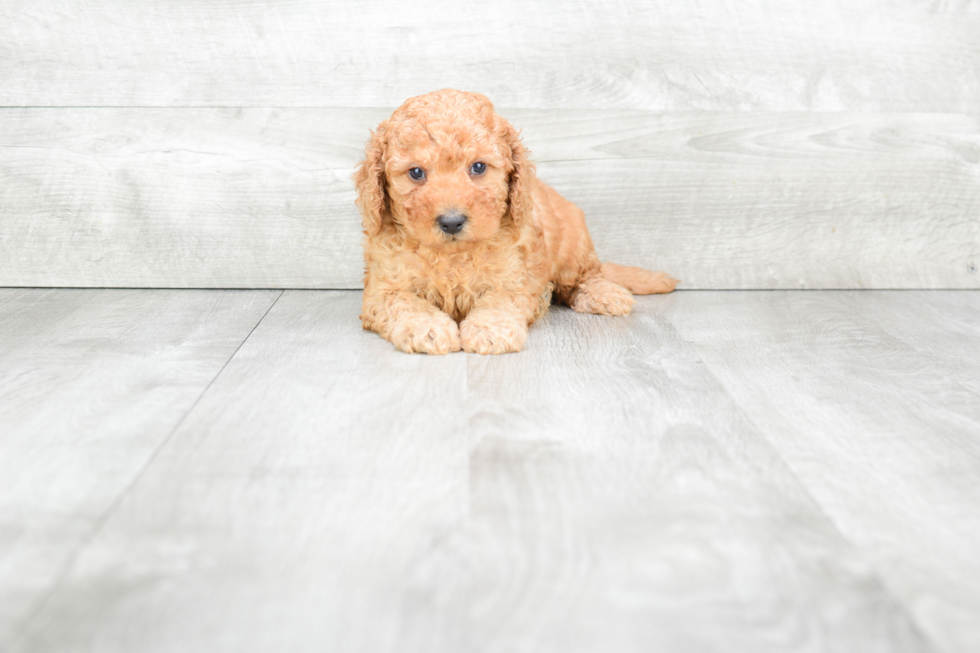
[(735, 144)]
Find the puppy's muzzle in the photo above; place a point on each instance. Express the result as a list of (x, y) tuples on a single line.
[(451, 222)]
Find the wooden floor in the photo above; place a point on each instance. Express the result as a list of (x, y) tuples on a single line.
[(235, 471)]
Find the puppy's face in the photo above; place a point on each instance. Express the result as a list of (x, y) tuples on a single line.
[(447, 168)]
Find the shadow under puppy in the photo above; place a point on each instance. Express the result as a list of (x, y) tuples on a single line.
[(465, 248)]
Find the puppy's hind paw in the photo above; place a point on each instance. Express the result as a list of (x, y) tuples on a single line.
[(601, 297)]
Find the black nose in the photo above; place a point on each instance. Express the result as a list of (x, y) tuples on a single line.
[(451, 222)]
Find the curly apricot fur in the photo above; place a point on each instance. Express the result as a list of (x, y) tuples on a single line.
[(521, 246)]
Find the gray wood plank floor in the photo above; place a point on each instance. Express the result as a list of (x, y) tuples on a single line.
[(720, 471), (92, 382)]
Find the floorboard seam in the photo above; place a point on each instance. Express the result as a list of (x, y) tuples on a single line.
[(98, 526)]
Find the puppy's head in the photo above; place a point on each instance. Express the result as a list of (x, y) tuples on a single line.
[(445, 168)]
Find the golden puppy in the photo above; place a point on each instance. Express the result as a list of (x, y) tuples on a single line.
[(464, 246)]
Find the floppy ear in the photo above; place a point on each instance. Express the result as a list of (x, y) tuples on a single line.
[(522, 177), (369, 179)]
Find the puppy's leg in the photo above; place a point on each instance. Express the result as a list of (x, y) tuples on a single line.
[(410, 323), (602, 297), (497, 324)]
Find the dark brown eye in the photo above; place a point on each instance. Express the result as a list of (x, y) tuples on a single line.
[(418, 174), (478, 168)]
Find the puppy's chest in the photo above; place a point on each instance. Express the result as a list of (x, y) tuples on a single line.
[(470, 271), (455, 282)]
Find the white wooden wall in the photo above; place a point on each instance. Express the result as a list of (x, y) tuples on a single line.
[(737, 144)]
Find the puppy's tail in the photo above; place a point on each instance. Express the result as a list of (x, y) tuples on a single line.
[(639, 281)]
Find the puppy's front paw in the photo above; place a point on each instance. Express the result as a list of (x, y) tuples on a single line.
[(429, 335), (489, 335)]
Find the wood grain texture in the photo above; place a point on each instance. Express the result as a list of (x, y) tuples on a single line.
[(870, 55), (945, 327), (171, 198), (262, 197), (622, 502), (299, 507), (875, 420), (91, 384), (599, 491)]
